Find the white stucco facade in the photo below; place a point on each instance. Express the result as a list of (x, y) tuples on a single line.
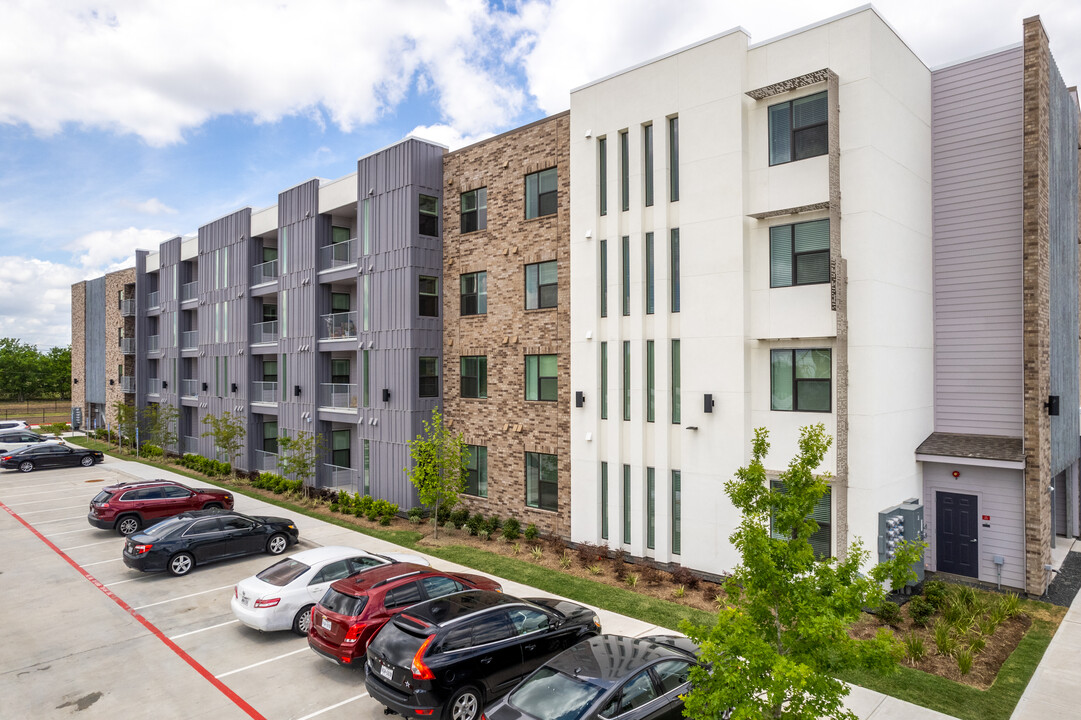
[(729, 317)]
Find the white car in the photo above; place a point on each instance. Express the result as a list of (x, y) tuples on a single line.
[(15, 440), (281, 597)]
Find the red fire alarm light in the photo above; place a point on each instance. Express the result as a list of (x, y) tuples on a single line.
[(957, 473)]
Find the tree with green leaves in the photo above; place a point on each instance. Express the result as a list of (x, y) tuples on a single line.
[(126, 422), (228, 432), (159, 423), (781, 633), (298, 454), (20, 370), (440, 465)]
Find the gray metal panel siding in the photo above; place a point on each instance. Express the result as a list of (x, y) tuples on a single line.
[(169, 258), (1063, 231), (976, 179), (142, 366), (1000, 495), (95, 340)]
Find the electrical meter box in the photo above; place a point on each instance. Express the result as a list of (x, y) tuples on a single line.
[(901, 522)]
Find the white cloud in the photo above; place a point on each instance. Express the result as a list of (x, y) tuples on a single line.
[(153, 206), (447, 135), (35, 300), (108, 250)]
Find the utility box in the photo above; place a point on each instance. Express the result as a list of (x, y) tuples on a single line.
[(901, 522)]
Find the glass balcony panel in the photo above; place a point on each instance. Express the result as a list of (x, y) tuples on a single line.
[(339, 325), (189, 388), (265, 332), (153, 343), (265, 272), (153, 299), (338, 395), (338, 255), (264, 391), (189, 340), (188, 291)]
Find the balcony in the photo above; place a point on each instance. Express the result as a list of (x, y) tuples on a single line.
[(153, 300), (127, 346), (337, 395), (339, 325), (264, 391), (153, 386), (265, 273), (338, 255), (189, 291), (189, 444), (127, 384), (265, 332), (153, 343), (265, 461), (189, 388), (189, 340), (127, 308), (342, 478)]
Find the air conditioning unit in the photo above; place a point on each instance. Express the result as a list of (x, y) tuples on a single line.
[(901, 522)]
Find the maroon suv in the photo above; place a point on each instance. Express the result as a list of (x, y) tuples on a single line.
[(354, 609), (127, 507)]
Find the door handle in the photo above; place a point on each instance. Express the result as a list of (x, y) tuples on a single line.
[(974, 540), (531, 646), (485, 661)]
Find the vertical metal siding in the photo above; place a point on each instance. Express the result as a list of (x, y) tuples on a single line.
[(977, 214)]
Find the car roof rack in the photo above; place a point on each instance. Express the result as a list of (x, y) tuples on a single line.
[(392, 579)]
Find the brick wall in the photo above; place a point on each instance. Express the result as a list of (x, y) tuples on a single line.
[(114, 285), (504, 422), (78, 347)]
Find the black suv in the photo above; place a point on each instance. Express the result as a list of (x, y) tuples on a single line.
[(451, 655)]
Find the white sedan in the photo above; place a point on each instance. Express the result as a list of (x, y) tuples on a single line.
[(281, 597)]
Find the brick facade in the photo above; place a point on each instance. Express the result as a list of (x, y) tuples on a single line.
[(507, 424), (115, 359), (78, 346)]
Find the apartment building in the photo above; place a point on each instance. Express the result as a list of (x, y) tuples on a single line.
[(506, 320), (765, 235), (103, 356)]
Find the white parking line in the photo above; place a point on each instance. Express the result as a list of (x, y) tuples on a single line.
[(46, 522), (43, 492), (66, 507), (332, 707), (118, 541), (193, 632), (102, 562), (31, 502), (183, 597), (264, 662), (69, 532), (121, 582), (41, 485)]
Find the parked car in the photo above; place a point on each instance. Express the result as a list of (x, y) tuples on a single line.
[(352, 611), (13, 425), (204, 536), (127, 507), (282, 596), (450, 656), (47, 455), (14, 440), (604, 677)]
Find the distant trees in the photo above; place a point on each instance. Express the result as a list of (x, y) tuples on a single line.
[(26, 373)]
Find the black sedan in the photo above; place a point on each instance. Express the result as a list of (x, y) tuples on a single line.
[(447, 657), (204, 536), (50, 456), (605, 677)]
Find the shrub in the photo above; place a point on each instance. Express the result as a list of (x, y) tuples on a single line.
[(531, 532), (920, 610), (460, 517), (494, 524), (516, 549), (448, 525), (151, 451), (385, 519), (483, 534), (964, 660), (344, 499), (621, 570), (977, 644), (442, 514), (334, 507), (475, 524), (589, 554), (632, 579), (679, 591), (1011, 605), (935, 593), (651, 575), (565, 561), (536, 552), (683, 576), (594, 569), (416, 512), (372, 513), (512, 529), (914, 648), (944, 642)]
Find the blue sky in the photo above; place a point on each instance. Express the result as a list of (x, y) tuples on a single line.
[(126, 122)]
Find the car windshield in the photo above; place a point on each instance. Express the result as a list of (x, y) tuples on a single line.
[(165, 529), (551, 695), (343, 604), (102, 496), (284, 572)]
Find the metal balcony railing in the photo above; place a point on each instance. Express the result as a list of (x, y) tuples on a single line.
[(153, 386), (189, 388), (265, 332), (265, 461), (189, 444), (264, 272), (127, 308), (342, 478), (153, 299), (189, 340), (127, 383), (264, 391), (338, 255), (189, 291), (153, 343), (339, 325), (127, 346), (338, 395)]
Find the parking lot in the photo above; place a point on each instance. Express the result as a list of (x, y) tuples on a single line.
[(85, 636)]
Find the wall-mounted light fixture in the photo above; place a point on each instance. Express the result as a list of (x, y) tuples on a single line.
[(233, 387), (296, 391), (205, 387), (112, 382), (708, 404), (164, 385), (579, 398), (1051, 405), (75, 381), (692, 427), (386, 394)]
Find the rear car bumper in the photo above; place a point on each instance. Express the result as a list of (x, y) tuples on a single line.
[(331, 652), (266, 620), (99, 523), (146, 563), (409, 705)]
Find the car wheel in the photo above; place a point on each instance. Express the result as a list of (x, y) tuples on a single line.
[(276, 544), (303, 620), (181, 563), (465, 704), (26, 466), (87, 460), (212, 506), (128, 525)]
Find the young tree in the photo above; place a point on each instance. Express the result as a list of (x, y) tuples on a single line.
[(440, 465), (228, 432), (125, 422), (298, 454), (781, 633), (159, 423)]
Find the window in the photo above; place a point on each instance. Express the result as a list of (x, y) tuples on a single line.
[(821, 514), (673, 159), (429, 377), (429, 296), (527, 620), (475, 376), (604, 500), (541, 377), (604, 278), (366, 479), (676, 409), (798, 129), (365, 226), (366, 311), (270, 436), (677, 510), (626, 380), (651, 508), (673, 269), (476, 481), (604, 381), (338, 235), (366, 376), (339, 448), (650, 385), (799, 254), (672, 674), (492, 628), (627, 504), (800, 380), (474, 293), (439, 586), (540, 194), (602, 173), (475, 210), (408, 594), (624, 171), (339, 371), (541, 285), (428, 221), (626, 260), (339, 302), (650, 274), (282, 383), (541, 481), (647, 149)]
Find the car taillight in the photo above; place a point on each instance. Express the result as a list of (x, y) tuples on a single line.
[(236, 591), (142, 549), (354, 633), (267, 602), (6, 457), (420, 670), (104, 506)]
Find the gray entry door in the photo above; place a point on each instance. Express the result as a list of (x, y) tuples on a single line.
[(957, 534)]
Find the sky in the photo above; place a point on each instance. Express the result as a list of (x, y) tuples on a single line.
[(126, 122)]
